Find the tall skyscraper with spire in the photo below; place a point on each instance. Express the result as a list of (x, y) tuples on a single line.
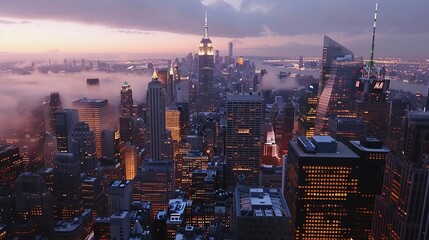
[(155, 118), (205, 71), (371, 105)]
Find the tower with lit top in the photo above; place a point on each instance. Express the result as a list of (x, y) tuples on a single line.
[(205, 70)]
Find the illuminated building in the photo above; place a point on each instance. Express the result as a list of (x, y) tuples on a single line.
[(176, 216), (80, 227), (119, 195), (322, 184), (282, 117), (34, 202), (155, 117), (82, 145), (371, 105), (186, 165), (243, 136), (261, 213), (204, 185), (64, 121), (127, 129), (172, 122), (307, 110), (11, 165), (240, 61), (402, 209), (126, 100), (94, 195), (205, 71), (111, 168), (346, 129), (67, 187), (269, 153), (95, 113), (102, 228), (131, 165), (370, 175), (331, 51), (398, 113), (338, 92), (154, 182)]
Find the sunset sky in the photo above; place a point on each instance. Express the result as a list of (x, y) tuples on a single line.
[(257, 27)]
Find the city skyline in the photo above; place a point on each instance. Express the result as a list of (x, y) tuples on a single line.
[(146, 28)]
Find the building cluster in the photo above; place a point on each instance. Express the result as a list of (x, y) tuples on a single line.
[(211, 155)]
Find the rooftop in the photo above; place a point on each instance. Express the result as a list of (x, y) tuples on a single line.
[(244, 96), (120, 183), (63, 226), (261, 202), (90, 102), (342, 152)]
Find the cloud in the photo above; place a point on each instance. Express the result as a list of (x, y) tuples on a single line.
[(6, 21), (253, 18), (19, 90)]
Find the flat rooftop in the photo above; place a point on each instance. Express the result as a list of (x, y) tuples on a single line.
[(342, 152), (363, 148), (120, 183), (261, 202), (244, 96), (90, 102)]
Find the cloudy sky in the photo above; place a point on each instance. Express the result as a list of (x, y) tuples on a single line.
[(257, 27)]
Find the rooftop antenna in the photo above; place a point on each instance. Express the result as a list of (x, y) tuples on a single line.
[(371, 62), (206, 27)]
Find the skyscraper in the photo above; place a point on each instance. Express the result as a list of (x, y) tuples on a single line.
[(67, 189), (205, 71), (243, 136), (398, 114), (338, 92), (322, 183), (34, 202), (95, 113), (155, 117), (11, 165), (54, 106), (346, 129), (82, 145), (230, 52), (307, 110), (64, 121), (402, 209), (331, 50), (126, 100)]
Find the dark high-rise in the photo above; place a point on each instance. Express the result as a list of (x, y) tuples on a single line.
[(243, 136), (34, 202), (82, 145), (398, 114), (346, 129), (205, 71), (126, 100), (11, 165), (155, 117), (64, 121), (308, 101), (402, 209), (54, 106), (67, 189)]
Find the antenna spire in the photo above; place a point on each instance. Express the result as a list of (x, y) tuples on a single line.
[(371, 62), (206, 27)]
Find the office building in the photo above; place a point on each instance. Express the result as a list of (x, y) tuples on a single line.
[(64, 121), (80, 227), (94, 195), (308, 101), (261, 213), (230, 52), (82, 145), (154, 182), (127, 129), (398, 114), (54, 106), (11, 165), (322, 185), (338, 92), (95, 113), (402, 210), (205, 71), (119, 195), (34, 203), (120, 226), (67, 187), (111, 143), (172, 122), (346, 129), (243, 136), (331, 51), (370, 173), (131, 161), (126, 100), (155, 117), (186, 165)]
